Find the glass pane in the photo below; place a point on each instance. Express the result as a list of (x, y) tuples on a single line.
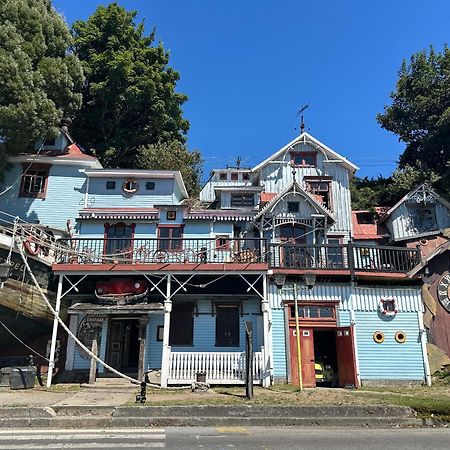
[(326, 312), (313, 312)]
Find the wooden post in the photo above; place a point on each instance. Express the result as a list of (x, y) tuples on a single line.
[(51, 364), (93, 368), (143, 321), (249, 360)]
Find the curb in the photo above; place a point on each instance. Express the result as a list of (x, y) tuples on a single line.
[(208, 416)]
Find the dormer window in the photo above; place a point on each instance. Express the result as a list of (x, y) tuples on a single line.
[(422, 218), (110, 185), (303, 159), (150, 185), (223, 176), (320, 188), (241, 200), (34, 180)]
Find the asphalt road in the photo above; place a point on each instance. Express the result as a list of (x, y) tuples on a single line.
[(228, 438)]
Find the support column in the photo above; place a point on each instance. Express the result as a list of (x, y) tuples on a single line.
[(51, 364), (70, 351), (166, 347), (143, 321), (268, 355)]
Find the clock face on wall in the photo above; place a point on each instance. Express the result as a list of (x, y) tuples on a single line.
[(443, 292)]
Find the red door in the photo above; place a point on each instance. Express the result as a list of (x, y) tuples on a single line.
[(345, 352), (307, 352)]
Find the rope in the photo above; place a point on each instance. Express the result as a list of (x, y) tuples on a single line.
[(23, 343), (69, 332)]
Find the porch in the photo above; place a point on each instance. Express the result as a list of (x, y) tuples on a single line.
[(219, 367)]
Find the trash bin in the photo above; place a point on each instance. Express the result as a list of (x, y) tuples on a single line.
[(201, 377), (22, 378)]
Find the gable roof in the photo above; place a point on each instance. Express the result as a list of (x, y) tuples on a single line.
[(425, 188), (438, 251), (367, 231), (295, 188), (307, 138)]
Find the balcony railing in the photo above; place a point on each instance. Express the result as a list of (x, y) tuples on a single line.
[(351, 257), (158, 251)]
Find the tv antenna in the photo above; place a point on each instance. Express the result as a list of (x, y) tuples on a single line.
[(300, 113)]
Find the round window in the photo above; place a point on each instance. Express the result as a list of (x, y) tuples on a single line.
[(378, 337), (400, 337)]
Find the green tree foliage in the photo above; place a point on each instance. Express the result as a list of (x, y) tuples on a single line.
[(173, 156), (420, 111), (129, 95), (40, 82)]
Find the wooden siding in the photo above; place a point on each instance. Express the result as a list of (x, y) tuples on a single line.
[(65, 194), (279, 347), (358, 298), (399, 223), (389, 360), (100, 197), (153, 350), (80, 363), (205, 329), (276, 177)]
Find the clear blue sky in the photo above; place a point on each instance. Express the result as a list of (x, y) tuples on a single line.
[(248, 66)]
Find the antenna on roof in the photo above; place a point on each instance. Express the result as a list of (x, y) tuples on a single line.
[(300, 113), (238, 162)]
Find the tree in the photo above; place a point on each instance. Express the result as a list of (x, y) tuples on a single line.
[(420, 111), (173, 156), (129, 95), (40, 81)]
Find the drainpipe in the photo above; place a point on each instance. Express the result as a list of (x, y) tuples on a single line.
[(423, 342)]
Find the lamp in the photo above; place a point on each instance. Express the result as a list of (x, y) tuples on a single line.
[(310, 279), (279, 279)]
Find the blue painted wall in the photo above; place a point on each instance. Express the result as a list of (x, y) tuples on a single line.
[(65, 194), (153, 351), (389, 360), (100, 197), (205, 329), (278, 340)]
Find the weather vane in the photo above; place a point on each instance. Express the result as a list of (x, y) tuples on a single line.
[(300, 113)]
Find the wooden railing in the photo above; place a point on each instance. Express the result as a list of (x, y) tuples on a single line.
[(219, 367), (353, 257), (163, 250)]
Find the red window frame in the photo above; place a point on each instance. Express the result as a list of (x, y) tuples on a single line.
[(223, 176), (313, 321), (297, 155), (223, 242), (170, 239), (27, 173), (234, 176)]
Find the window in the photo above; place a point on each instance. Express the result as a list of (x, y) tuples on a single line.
[(293, 206), (171, 215), (240, 200), (222, 243), (320, 189), (119, 238), (245, 176), (150, 185), (227, 325), (110, 185), (305, 159), (234, 176), (223, 176), (34, 180), (335, 257), (130, 186), (313, 312), (422, 218), (170, 238), (182, 324)]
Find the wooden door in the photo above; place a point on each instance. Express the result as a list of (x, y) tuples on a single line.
[(292, 235), (307, 352), (345, 353), (115, 347)]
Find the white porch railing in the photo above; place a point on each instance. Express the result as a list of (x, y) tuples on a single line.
[(220, 367)]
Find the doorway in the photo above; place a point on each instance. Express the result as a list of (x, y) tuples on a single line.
[(123, 344), (327, 356)]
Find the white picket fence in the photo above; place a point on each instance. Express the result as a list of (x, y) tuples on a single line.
[(220, 367)]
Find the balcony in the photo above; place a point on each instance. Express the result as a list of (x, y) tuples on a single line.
[(160, 251), (352, 257), (349, 258)]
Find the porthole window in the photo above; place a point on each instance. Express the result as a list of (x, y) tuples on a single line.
[(378, 337), (130, 186), (400, 337)]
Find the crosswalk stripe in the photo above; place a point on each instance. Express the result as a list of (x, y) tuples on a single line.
[(67, 437), (85, 446)]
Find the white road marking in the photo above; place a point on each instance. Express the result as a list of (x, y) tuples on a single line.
[(85, 445)]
